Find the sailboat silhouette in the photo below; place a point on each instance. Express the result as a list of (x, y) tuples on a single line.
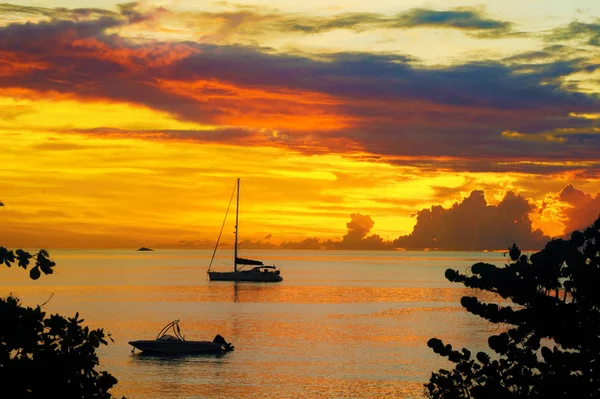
[(259, 273)]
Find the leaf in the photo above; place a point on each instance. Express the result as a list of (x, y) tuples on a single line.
[(3, 253), (23, 258), (514, 252), (94, 341), (10, 256), (34, 273), (44, 262), (483, 357), (47, 269), (7, 257)]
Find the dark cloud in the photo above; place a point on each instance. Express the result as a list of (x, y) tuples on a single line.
[(484, 116), (529, 56), (473, 225), (587, 32), (472, 21), (130, 10), (461, 18), (55, 13), (583, 208)]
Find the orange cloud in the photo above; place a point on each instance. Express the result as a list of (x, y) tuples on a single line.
[(134, 60), (255, 107), (14, 63)]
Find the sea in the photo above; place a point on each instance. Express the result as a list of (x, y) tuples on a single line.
[(342, 324)]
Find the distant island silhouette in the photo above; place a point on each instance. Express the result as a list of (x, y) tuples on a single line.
[(145, 249)]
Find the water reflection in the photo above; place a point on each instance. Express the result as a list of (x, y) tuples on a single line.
[(340, 325), (170, 359), (241, 291), (172, 376)]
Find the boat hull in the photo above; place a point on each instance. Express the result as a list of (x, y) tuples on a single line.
[(245, 275), (176, 347)]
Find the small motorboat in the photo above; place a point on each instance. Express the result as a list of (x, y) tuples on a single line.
[(175, 343)]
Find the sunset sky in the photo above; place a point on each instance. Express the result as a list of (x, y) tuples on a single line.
[(366, 124)]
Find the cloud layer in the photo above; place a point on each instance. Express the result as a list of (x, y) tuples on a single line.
[(481, 116), (468, 20)]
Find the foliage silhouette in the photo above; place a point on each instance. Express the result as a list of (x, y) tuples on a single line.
[(43, 263), (551, 348), (42, 357)]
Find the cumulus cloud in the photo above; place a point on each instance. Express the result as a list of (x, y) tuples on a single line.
[(469, 225), (358, 236), (474, 225), (583, 208)]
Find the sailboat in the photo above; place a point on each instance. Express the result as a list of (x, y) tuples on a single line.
[(258, 273)]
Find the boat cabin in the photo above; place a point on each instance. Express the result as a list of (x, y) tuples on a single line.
[(266, 269)]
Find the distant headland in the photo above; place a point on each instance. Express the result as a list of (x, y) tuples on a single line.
[(145, 249)]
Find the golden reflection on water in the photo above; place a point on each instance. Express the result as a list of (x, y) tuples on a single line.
[(176, 378), (266, 293), (351, 326)]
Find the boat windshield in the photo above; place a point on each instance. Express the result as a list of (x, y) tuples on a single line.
[(168, 337), (174, 328)]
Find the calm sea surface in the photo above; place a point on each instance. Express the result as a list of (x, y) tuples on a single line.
[(340, 325)]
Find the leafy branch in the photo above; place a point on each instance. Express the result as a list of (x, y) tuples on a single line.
[(549, 304), (43, 263)]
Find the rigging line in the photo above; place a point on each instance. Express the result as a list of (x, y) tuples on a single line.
[(222, 226)]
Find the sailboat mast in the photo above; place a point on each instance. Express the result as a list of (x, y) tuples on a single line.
[(237, 206)]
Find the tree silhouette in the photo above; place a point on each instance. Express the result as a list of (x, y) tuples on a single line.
[(47, 357), (551, 346)]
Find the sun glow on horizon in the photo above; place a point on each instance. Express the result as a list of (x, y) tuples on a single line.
[(92, 191)]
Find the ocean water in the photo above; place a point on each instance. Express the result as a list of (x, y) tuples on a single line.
[(349, 324)]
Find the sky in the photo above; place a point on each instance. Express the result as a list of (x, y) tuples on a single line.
[(458, 125)]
